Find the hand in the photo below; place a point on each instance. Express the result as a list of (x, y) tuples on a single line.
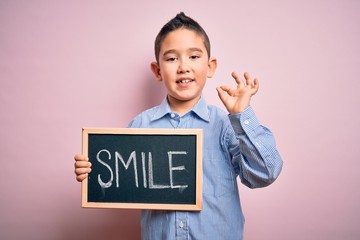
[(82, 167), (237, 100)]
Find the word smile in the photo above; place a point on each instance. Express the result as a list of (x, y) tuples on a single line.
[(104, 156)]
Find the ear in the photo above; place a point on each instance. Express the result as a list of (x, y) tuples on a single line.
[(156, 70), (211, 67)]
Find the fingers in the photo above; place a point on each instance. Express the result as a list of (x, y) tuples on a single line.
[(249, 85), (237, 78), (249, 81), (221, 92), (82, 173), (82, 167), (82, 164), (225, 91), (253, 84), (224, 88), (80, 157), (81, 177), (256, 86)]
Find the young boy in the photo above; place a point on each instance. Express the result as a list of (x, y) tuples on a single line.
[(235, 144)]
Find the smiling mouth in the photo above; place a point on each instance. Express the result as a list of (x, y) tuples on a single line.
[(184, 81)]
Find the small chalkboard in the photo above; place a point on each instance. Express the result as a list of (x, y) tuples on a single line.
[(143, 168)]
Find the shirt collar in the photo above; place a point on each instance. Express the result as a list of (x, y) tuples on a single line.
[(200, 109)]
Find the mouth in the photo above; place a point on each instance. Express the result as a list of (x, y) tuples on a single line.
[(184, 81)]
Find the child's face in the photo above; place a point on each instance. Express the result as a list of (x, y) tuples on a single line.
[(184, 66)]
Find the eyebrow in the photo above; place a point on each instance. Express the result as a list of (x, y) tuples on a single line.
[(190, 50)]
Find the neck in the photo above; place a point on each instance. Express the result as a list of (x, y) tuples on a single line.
[(182, 107)]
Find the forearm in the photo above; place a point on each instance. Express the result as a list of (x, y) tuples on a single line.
[(257, 159)]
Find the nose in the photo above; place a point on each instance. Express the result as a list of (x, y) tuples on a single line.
[(183, 66)]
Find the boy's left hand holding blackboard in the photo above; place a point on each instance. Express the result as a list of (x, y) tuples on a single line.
[(82, 167)]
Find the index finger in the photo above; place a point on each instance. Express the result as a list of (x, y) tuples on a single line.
[(80, 157)]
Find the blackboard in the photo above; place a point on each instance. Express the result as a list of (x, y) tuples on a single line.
[(143, 168)]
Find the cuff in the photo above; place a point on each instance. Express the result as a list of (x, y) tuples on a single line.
[(244, 121)]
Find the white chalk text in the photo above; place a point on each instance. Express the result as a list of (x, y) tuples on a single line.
[(104, 157)]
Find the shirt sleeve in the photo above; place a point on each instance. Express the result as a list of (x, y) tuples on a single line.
[(135, 123), (253, 150)]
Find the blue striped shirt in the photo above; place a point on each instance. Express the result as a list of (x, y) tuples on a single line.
[(233, 145)]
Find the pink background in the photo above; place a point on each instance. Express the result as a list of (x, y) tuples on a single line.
[(65, 65)]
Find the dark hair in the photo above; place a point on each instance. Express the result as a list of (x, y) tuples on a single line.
[(180, 21)]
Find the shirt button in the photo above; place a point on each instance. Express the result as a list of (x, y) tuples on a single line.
[(172, 115), (246, 122), (181, 224)]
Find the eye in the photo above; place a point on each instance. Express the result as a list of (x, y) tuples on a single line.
[(194, 57), (171, 59)]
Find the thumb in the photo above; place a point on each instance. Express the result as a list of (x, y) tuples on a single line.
[(222, 94)]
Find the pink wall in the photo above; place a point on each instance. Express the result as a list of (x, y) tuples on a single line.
[(74, 64)]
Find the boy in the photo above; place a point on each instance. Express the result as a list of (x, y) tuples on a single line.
[(235, 144)]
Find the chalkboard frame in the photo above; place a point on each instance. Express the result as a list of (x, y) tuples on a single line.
[(197, 133)]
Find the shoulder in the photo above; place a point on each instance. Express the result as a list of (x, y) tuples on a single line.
[(217, 110), (143, 117), (220, 126), (217, 114), (219, 121)]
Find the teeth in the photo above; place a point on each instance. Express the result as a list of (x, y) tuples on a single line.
[(184, 81)]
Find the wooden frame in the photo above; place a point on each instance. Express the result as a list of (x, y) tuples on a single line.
[(98, 133)]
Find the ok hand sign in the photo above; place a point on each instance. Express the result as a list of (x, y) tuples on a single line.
[(238, 99)]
